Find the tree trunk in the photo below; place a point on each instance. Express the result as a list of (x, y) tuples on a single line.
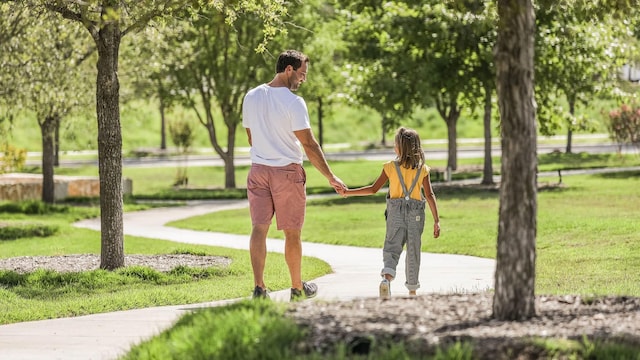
[(56, 151), (163, 120), (229, 167), (487, 172), (452, 138), (320, 129), (570, 131), (516, 254), (109, 146), (163, 127), (383, 126), (447, 106), (48, 130)]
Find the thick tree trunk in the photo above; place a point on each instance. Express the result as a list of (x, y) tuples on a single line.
[(487, 172), (516, 254), (48, 130), (109, 147)]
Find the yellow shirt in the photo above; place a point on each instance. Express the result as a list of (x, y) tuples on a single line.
[(395, 188)]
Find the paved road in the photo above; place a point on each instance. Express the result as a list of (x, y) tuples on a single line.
[(467, 149)]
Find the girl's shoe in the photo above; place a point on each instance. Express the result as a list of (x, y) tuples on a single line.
[(385, 289)]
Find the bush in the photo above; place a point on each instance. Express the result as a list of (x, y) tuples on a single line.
[(32, 207), (624, 125), (11, 158), (15, 231)]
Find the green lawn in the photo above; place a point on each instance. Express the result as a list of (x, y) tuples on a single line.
[(586, 241), (46, 294)]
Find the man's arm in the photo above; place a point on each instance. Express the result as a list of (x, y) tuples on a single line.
[(317, 159)]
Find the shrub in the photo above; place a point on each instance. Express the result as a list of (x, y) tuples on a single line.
[(624, 125), (11, 158), (10, 231)]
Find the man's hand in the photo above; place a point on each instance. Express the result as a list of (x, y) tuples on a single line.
[(338, 185)]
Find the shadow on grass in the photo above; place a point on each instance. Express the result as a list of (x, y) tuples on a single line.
[(620, 175)]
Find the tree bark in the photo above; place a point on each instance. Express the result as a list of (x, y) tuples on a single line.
[(447, 106), (47, 130), (516, 254), (452, 140), (320, 128), (107, 39), (570, 131), (229, 167), (56, 152), (487, 172), (163, 120)]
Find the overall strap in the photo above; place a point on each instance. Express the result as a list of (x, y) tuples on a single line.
[(407, 193)]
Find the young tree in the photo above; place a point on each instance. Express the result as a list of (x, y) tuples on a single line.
[(107, 21), (46, 80), (578, 56), (516, 258), (425, 54), (216, 68)]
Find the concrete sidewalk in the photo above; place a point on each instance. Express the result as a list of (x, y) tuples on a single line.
[(109, 335)]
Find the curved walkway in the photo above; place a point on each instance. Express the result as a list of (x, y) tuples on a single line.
[(109, 335)]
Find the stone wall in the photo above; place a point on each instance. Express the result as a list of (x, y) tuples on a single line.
[(17, 186)]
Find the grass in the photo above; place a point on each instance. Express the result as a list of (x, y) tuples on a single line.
[(140, 122), (46, 294), (589, 225), (208, 182), (253, 330)]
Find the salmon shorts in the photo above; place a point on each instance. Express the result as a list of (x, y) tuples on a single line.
[(279, 190)]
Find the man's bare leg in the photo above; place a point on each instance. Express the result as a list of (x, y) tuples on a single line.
[(258, 251), (293, 256)]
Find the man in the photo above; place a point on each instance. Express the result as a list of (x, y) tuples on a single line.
[(277, 123)]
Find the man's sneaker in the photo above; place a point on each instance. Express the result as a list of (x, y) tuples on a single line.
[(308, 291), (385, 289), (260, 293)]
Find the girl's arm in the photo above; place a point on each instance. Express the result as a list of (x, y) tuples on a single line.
[(369, 190), (431, 200)]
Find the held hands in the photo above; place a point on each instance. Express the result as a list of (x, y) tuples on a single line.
[(338, 186)]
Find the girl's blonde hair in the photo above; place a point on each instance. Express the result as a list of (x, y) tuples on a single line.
[(410, 154)]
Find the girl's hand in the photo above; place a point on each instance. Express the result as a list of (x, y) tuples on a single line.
[(436, 230)]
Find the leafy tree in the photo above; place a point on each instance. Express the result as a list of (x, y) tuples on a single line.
[(146, 59), (216, 67), (381, 66), (52, 84), (107, 21), (318, 32), (516, 258), (13, 23), (578, 56), (421, 54)]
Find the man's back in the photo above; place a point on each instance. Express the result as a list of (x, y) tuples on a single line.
[(273, 114)]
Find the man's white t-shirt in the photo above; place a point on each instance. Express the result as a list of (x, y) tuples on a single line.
[(273, 114)]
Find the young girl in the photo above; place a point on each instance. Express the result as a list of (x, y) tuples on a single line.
[(408, 178)]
